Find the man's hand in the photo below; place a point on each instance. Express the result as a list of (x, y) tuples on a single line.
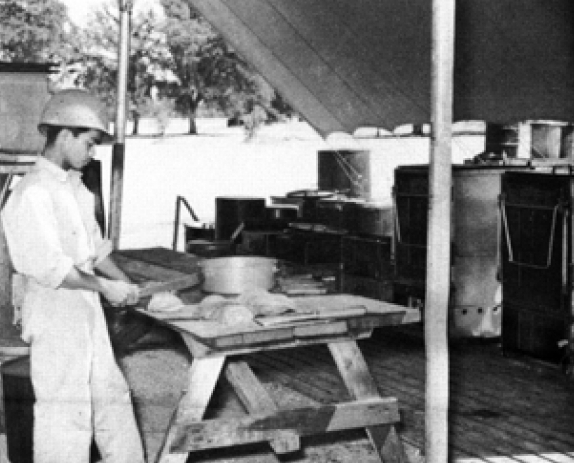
[(134, 295), (119, 293), (116, 288)]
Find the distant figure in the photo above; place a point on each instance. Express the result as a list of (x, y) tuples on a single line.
[(154, 92), (135, 113)]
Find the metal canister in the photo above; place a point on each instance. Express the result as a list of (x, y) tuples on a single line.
[(19, 398), (18, 408), (232, 211)]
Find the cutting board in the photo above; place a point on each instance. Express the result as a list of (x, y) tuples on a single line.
[(179, 283)]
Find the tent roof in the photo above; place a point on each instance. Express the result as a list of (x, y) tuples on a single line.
[(345, 64)]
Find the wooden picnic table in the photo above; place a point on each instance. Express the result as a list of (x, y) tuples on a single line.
[(219, 351)]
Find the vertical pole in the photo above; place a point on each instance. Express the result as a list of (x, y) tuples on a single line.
[(118, 152), (438, 259), (10, 341), (5, 272), (567, 143)]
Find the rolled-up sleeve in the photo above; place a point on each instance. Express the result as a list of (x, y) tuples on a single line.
[(32, 236), (103, 249)]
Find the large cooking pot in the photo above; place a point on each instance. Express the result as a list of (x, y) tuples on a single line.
[(235, 274)]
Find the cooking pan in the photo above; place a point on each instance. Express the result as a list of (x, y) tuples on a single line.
[(204, 248), (282, 212), (309, 199)]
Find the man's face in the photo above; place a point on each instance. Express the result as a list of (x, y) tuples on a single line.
[(79, 150)]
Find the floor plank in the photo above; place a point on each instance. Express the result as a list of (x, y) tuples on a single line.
[(502, 410)]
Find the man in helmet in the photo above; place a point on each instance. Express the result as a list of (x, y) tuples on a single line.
[(55, 243)]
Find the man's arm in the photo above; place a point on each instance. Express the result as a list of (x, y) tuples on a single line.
[(118, 292), (109, 268)]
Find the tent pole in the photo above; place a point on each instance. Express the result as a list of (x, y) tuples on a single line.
[(438, 252), (118, 152)]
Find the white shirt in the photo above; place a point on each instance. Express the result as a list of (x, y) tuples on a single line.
[(50, 226)]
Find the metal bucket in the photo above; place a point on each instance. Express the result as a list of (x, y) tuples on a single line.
[(18, 408), (199, 231), (23, 94), (236, 274)]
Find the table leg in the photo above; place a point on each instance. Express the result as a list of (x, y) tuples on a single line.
[(203, 376), (257, 401), (361, 385)]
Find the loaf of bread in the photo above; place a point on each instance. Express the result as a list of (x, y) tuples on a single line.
[(233, 314), (226, 311), (164, 302), (262, 302), (242, 309)]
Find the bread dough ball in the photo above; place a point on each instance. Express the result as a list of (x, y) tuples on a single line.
[(210, 305), (234, 314), (262, 302), (212, 299), (164, 302)]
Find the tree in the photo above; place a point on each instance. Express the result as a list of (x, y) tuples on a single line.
[(34, 31), (209, 71), (98, 53)]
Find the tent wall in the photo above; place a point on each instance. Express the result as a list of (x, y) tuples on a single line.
[(346, 63)]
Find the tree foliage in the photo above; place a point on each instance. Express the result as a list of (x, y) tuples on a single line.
[(210, 71), (97, 52), (34, 31), (177, 52)]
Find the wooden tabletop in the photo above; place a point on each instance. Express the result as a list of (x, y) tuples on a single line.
[(161, 264), (220, 337)]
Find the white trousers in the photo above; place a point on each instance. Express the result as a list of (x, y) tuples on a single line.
[(80, 391)]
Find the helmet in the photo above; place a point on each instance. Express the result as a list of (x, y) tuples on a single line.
[(75, 108)]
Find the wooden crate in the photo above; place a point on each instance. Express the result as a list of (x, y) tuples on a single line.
[(309, 248), (367, 287), (367, 257)]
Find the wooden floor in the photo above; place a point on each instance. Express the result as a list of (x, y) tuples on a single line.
[(502, 410)]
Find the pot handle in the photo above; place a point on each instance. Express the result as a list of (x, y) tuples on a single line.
[(237, 232)]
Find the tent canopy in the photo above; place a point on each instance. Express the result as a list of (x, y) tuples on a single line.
[(345, 64)]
